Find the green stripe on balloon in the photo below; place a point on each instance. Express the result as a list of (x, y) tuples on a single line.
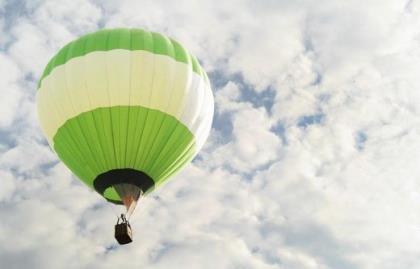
[(128, 39), (134, 137)]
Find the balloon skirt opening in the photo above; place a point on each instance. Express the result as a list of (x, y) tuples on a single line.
[(116, 177)]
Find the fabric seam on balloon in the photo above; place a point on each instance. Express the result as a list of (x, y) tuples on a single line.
[(196, 67), (41, 94)]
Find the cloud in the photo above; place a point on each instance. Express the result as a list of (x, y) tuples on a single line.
[(10, 91), (250, 126), (312, 161)]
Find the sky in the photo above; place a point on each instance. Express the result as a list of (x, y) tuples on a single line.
[(313, 160)]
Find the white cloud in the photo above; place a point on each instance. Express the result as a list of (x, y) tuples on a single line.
[(8, 185), (245, 152), (10, 94)]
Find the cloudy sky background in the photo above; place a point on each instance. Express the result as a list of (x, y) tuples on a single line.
[(313, 160)]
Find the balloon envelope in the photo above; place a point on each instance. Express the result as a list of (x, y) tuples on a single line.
[(124, 109)]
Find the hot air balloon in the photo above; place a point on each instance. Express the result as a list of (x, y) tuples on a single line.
[(124, 110)]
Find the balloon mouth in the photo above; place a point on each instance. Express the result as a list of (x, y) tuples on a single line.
[(115, 177), (129, 195)]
